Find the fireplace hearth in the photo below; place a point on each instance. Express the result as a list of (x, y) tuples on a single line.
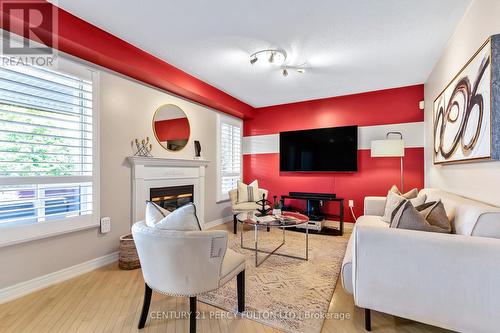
[(172, 197)]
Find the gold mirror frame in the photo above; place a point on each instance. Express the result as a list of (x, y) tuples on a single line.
[(181, 143)]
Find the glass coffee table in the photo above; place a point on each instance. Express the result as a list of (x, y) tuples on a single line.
[(283, 221)]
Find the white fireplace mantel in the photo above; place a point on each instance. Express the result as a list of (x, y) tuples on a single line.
[(149, 172)]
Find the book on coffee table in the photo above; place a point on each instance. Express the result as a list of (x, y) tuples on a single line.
[(265, 219)]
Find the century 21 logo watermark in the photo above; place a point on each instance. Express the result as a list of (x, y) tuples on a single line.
[(35, 21)]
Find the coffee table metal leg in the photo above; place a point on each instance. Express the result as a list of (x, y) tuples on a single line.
[(256, 239), (269, 253), (307, 241)]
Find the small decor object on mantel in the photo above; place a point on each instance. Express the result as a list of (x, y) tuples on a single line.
[(143, 148), (263, 203), (197, 150), (467, 113)]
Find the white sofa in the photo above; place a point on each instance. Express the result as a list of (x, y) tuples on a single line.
[(450, 281)]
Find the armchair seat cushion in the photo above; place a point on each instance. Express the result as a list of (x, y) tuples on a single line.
[(232, 264), (239, 207), (245, 206)]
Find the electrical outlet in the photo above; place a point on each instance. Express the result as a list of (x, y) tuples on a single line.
[(351, 203), (105, 224)]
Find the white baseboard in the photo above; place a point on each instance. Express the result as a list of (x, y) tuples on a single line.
[(27, 287), (214, 223)]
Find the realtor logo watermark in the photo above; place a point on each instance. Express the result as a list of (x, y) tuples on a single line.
[(36, 22)]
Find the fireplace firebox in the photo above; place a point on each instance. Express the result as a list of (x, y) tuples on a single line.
[(172, 197)]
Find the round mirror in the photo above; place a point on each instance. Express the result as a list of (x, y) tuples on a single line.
[(171, 127)]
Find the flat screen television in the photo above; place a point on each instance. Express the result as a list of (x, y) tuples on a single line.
[(320, 150)]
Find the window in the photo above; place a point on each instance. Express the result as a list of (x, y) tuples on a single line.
[(48, 139), (229, 132)]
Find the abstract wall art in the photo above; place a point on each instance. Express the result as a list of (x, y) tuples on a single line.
[(465, 114)]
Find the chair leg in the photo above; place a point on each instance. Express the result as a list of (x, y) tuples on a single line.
[(368, 320), (235, 223), (240, 286), (145, 306), (192, 314)]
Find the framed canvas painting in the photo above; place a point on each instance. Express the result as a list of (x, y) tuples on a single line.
[(462, 113)]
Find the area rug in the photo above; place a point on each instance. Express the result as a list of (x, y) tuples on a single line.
[(288, 294)]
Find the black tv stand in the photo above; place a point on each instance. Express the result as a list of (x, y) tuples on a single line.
[(313, 208)]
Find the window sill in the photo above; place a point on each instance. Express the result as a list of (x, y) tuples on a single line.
[(222, 200), (11, 235)]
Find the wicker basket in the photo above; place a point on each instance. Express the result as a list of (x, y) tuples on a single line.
[(128, 258)]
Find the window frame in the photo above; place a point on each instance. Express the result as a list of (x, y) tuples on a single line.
[(222, 118), (10, 235)]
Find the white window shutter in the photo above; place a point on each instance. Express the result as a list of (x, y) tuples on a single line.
[(230, 158), (46, 145)]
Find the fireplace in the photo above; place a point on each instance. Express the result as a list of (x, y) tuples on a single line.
[(159, 173), (172, 197)]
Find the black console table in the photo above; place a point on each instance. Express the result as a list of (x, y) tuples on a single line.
[(313, 211)]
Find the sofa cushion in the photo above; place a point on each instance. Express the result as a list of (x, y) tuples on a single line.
[(346, 276), (431, 218), (411, 194), (394, 200), (467, 216)]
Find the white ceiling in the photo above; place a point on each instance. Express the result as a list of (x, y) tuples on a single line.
[(350, 46)]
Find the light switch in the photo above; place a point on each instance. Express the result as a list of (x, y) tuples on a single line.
[(105, 224)]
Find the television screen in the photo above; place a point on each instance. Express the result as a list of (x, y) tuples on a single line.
[(320, 150)]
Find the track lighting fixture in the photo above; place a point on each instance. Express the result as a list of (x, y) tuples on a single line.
[(276, 58)]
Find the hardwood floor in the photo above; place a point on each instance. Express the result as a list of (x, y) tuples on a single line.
[(110, 300)]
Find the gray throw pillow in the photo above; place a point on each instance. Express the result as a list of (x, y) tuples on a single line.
[(431, 217), (394, 200)]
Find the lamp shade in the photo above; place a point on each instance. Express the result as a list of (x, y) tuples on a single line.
[(387, 148)]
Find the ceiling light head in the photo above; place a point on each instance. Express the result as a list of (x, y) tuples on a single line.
[(301, 70), (285, 72), (275, 57), (271, 57)]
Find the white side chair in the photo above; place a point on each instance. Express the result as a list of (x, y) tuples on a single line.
[(242, 207), (186, 263)]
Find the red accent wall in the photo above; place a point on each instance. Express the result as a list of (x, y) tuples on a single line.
[(375, 175), (390, 106), (172, 129), (86, 41)]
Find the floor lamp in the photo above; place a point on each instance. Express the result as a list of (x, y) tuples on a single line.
[(390, 148)]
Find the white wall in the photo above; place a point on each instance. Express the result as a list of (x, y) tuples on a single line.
[(126, 110), (478, 180)]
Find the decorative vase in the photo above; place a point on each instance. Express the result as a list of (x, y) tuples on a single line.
[(276, 211)]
